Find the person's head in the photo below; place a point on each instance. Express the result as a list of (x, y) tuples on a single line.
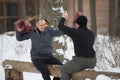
[(79, 13), (82, 21), (41, 24)]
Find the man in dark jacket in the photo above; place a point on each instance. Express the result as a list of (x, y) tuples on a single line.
[(83, 40), (41, 50)]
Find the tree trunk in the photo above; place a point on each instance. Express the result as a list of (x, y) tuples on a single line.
[(118, 20), (93, 16), (70, 10), (80, 5), (43, 8), (65, 4), (112, 18), (23, 9)]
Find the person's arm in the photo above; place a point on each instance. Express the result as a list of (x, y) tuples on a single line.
[(66, 29), (20, 36), (55, 32)]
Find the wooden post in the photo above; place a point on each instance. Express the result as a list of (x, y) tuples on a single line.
[(12, 74)]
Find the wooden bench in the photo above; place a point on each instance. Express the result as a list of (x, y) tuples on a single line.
[(14, 69)]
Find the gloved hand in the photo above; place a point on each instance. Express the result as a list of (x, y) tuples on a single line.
[(23, 26)]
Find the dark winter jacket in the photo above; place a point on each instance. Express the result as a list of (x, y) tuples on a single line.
[(83, 39), (41, 41)]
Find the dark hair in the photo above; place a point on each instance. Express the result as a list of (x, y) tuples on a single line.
[(82, 20)]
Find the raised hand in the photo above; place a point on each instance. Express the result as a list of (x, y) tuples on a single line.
[(23, 26), (65, 14)]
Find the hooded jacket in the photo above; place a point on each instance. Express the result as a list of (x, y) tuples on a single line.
[(41, 41), (82, 37)]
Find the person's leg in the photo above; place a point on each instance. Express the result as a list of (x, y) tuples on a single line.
[(91, 63), (41, 66), (53, 60), (76, 64), (72, 66), (65, 74), (56, 78)]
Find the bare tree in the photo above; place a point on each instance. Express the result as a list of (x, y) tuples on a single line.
[(65, 4), (70, 9), (23, 9), (112, 18), (93, 16), (80, 5), (107, 53), (117, 22), (50, 9)]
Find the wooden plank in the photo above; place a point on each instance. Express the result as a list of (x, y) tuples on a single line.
[(81, 75), (55, 70), (9, 17)]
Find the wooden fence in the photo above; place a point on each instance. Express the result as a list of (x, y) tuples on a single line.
[(14, 71)]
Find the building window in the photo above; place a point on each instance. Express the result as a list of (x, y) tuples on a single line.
[(1, 9), (10, 24), (11, 9), (9, 13)]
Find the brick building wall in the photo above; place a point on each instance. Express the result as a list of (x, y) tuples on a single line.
[(102, 15)]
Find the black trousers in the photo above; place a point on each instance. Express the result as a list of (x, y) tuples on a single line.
[(40, 64)]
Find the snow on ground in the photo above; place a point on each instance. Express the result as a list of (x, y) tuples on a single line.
[(11, 49), (101, 77), (2, 76), (32, 76)]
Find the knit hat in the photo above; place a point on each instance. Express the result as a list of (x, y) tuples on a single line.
[(82, 20)]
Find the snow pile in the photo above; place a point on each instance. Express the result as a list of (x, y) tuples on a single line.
[(11, 49)]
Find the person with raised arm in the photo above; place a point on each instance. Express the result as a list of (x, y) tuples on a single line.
[(83, 40), (41, 39)]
